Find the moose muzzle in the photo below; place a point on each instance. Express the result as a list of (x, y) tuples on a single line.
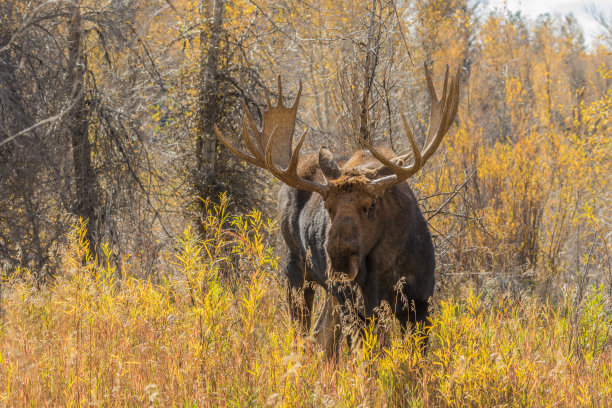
[(343, 250)]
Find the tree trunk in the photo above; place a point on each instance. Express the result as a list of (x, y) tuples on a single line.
[(208, 101), (371, 62), (76, 123)]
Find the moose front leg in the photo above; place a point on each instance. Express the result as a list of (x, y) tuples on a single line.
[(418, 318), (300, 296), (350, 311), (413, 314), (300, 306), (327, 330)]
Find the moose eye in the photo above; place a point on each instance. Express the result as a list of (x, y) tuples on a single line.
[(369, 209)]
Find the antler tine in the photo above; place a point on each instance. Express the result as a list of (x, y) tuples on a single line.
[(289, 176), (456, 95), (237, 152), (442, 114), (270, 146), (258, 157), (298, 96), (437, 106), (257, 151), (413, 146), (268, 101), (447, 107), (395, 164), (430, 86)]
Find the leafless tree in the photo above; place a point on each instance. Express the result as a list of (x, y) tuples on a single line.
[(70, 138)]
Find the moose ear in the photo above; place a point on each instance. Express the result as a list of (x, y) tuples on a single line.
[(327, 164)]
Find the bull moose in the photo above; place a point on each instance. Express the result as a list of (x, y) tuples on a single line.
[(352, 225)]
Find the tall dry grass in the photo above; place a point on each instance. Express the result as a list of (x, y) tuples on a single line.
[(216, 332)]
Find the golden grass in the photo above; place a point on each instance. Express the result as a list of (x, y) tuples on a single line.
[(217, 333)]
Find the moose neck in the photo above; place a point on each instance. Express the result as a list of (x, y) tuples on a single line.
[(400, 225)]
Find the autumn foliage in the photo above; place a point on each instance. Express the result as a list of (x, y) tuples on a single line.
[(205, 337), (168, 308)]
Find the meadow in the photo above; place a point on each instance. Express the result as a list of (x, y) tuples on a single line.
[(216, 332), (140, 260)]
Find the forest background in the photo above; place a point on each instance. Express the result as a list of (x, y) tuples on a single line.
[(116, 236)]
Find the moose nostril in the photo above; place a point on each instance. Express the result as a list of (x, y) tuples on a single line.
[(351, 248), (343, 252), (343, 261), (343, 240)]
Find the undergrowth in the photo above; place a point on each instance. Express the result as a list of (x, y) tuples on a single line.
[(216, 332)]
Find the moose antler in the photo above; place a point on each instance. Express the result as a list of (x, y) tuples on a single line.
[(441, 117), (272, 144)]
